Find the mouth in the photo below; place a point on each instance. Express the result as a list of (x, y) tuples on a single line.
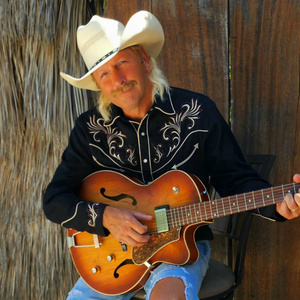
[(124, 89)]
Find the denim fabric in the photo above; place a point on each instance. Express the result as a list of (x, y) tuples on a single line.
[(191, 274)]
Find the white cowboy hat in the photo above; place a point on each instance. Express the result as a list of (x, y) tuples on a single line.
[(101, 39)]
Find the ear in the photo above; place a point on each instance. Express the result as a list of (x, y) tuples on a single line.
[(146, 60)]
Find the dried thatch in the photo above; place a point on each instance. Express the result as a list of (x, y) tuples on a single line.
[(37, 110)]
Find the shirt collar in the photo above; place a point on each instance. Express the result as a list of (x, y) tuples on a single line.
[(166, 105)]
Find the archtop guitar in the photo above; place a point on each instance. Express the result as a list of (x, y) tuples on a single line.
[(179, 204)]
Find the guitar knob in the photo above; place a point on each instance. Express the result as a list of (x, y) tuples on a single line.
[(110, 257), (96, 270), (175, 190)]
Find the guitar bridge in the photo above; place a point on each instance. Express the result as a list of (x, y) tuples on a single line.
[(70, 241), (161, 218)]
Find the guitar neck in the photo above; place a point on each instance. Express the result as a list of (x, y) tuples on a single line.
[(200, 212)]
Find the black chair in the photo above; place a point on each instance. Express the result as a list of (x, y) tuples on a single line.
[(223, 278)]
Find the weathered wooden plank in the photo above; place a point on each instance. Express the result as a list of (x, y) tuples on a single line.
[(195, 54), (265, 79), (122, 10), (265, 119)]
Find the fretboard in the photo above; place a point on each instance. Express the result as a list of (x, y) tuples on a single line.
[(213, 209)]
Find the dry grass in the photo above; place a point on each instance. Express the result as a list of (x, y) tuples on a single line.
[(37, 111)]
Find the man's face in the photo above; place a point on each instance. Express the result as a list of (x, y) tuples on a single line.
[(124, 81)]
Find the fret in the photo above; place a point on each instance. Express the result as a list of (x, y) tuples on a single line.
[(245, 200), (194, 218), (237, 201), (272, 190), (204, 204), (229, 205), (250, 202), (263, 198), (253, 197), (187, 215), (185, 219), (181, 217), (197, 212), (224, 212), (211, 213), (175, 215), (283, 194), (171, 221), (214, 214), (191, 214), (294, 185), (266, 196), (235, 206)]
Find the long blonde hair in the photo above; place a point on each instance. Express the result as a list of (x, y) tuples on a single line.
[(156, 76)]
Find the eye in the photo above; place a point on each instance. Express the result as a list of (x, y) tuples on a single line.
[(122, 62), (103, 74)]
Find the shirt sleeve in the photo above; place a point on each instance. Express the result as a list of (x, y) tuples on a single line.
[(61, 203), (230, 173)]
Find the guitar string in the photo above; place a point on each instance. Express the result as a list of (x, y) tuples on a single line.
[(177, 216), (210, 213)]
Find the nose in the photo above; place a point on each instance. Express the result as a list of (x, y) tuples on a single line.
[(118, 78)]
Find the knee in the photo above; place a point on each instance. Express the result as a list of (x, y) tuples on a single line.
[(171, 288)]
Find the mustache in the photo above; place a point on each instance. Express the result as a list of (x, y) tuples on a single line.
[(126, 87)]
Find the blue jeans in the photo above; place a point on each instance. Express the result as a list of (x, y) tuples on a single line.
[(191, 274)]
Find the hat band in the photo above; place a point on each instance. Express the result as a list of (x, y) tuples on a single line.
[(104, 57)]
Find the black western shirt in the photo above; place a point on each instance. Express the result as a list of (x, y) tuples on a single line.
[(184, 132)]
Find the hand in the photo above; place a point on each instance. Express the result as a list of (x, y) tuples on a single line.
[(124, 225), (290, 206)]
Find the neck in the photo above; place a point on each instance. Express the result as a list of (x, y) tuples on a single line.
[(138, 112)]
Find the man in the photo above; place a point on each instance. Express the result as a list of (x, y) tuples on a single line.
[(142, 128)]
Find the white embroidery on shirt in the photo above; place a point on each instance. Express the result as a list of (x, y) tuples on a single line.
[(172, 128), (92, 214), (157, 153), (131, 158), (115, 138)]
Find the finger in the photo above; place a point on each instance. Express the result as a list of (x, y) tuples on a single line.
[(132, 238), (297, 198), (128, 240), (296, 178), (142, 216), (129, 236), (139, 238), (138, 227), (136, 224), (290, 202)]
